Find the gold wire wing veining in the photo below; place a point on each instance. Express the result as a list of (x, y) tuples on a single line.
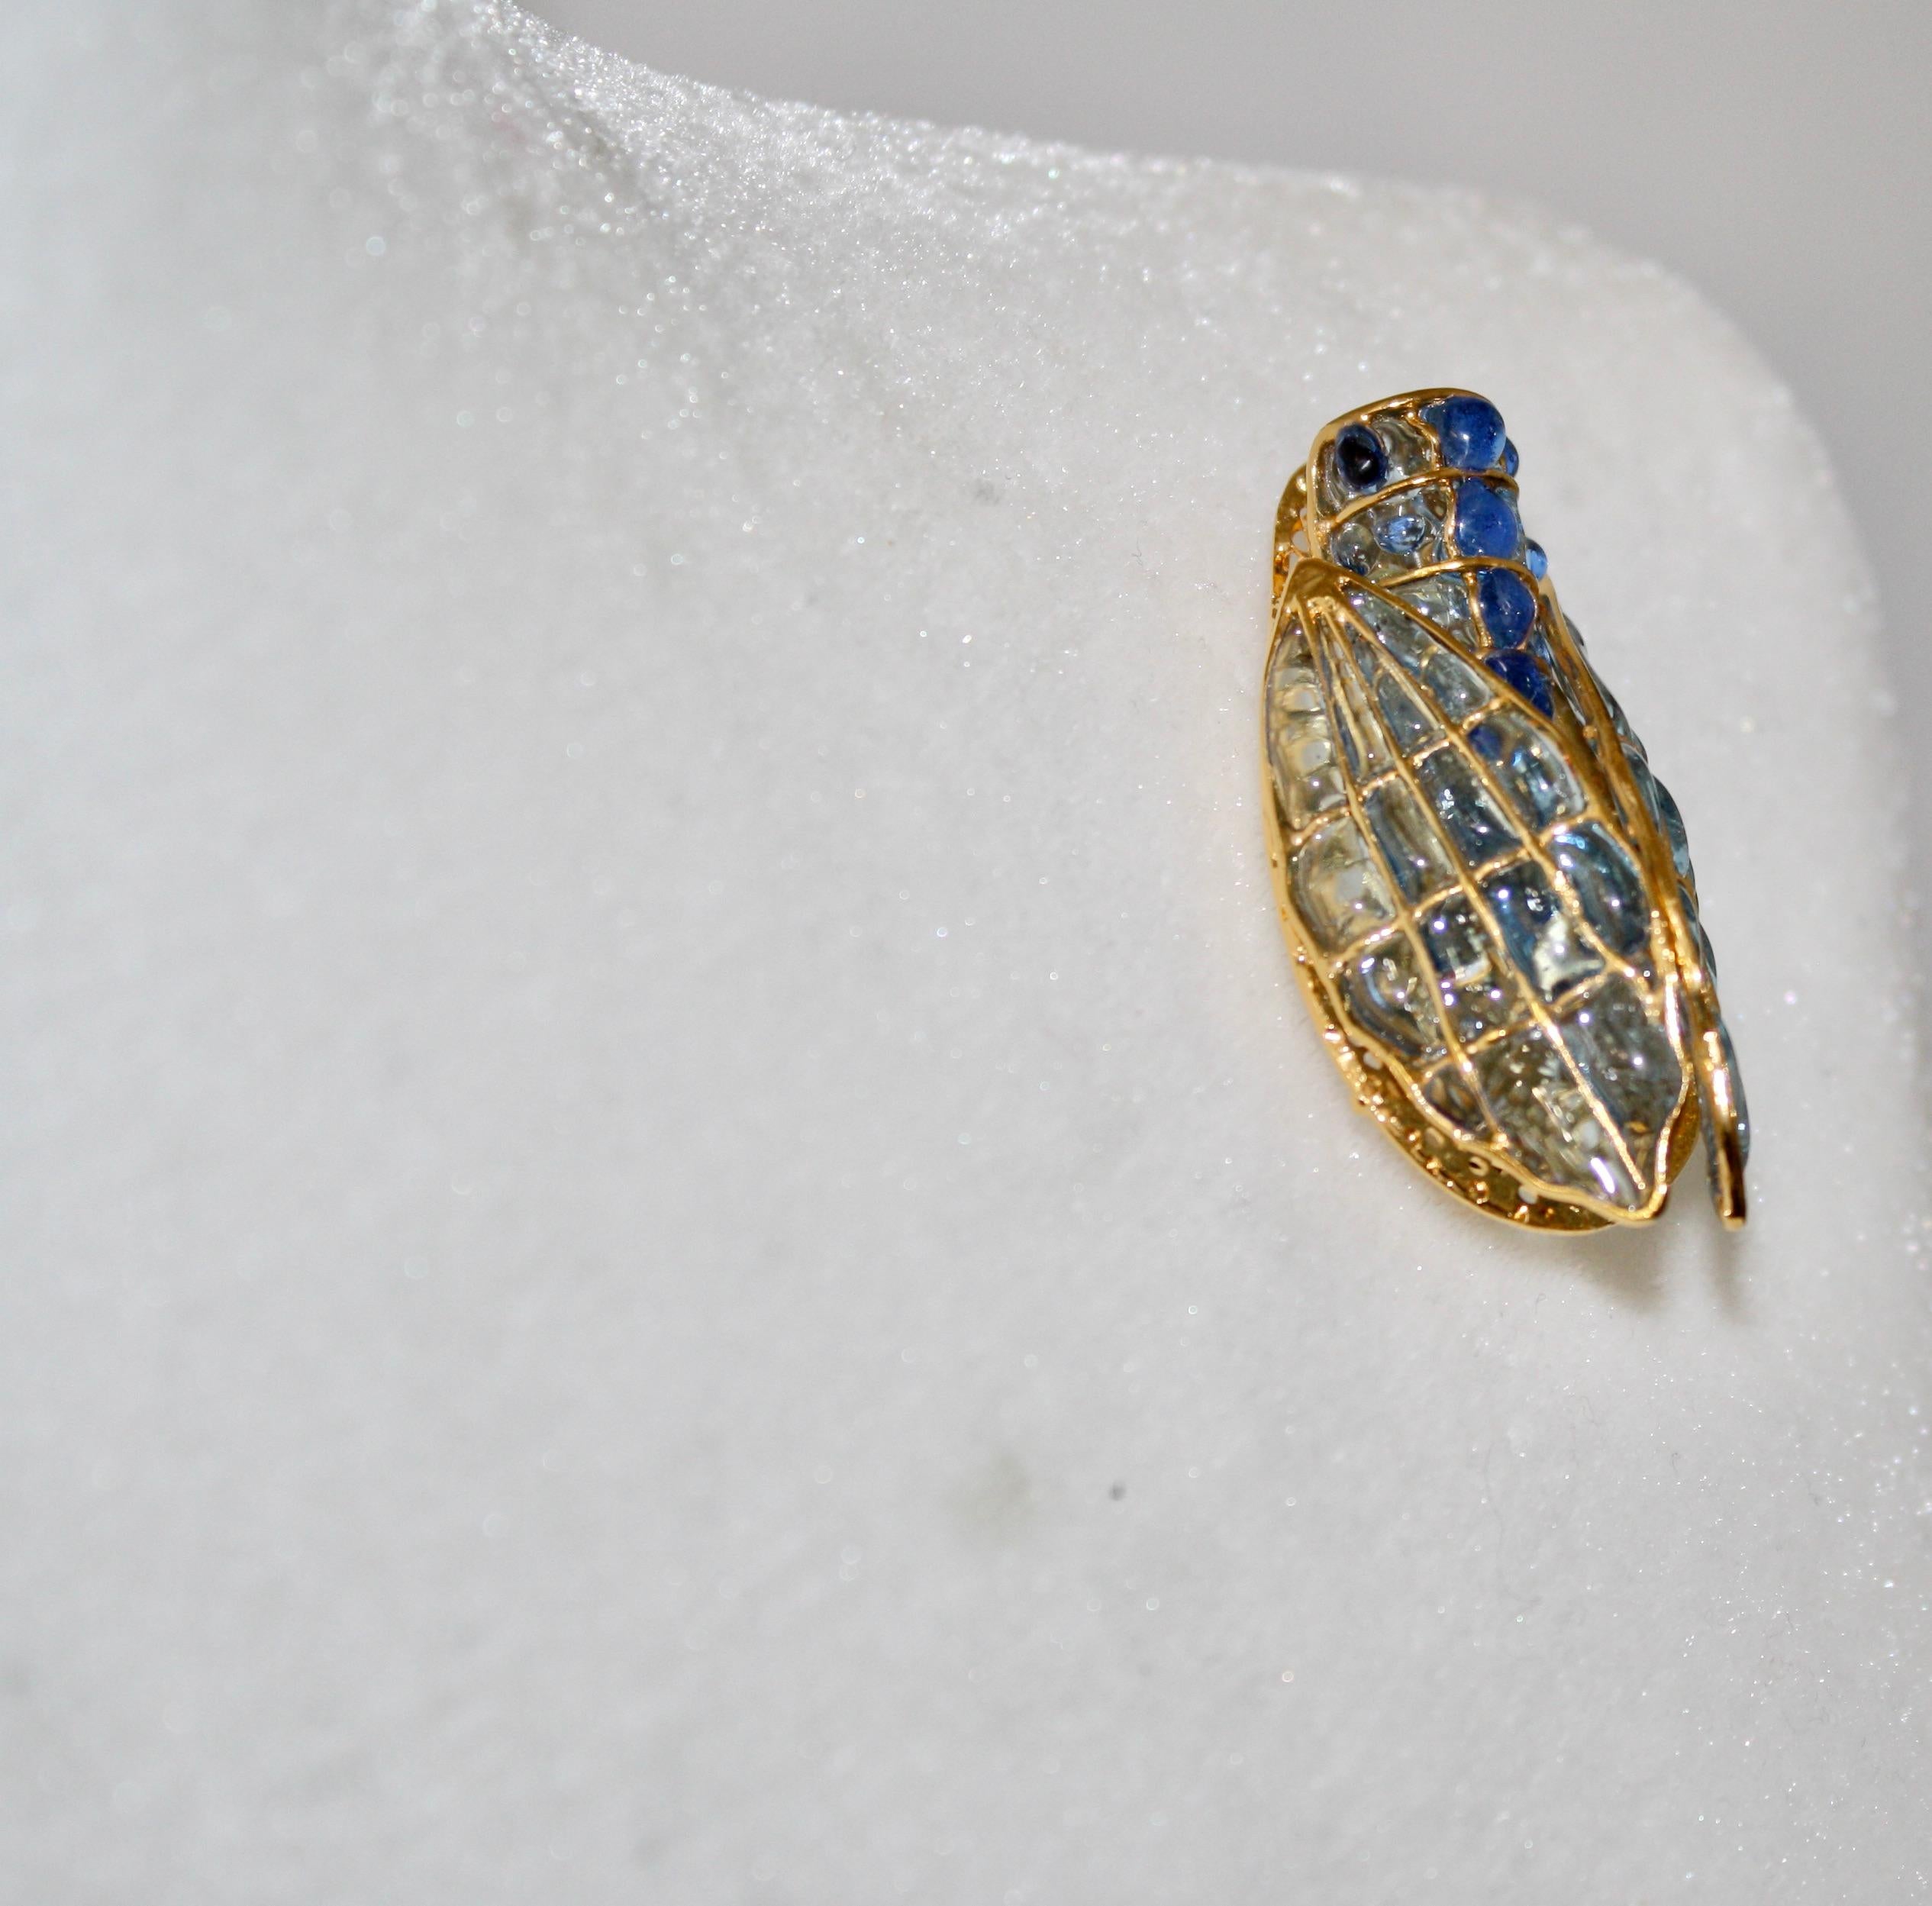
[(1486, 891)]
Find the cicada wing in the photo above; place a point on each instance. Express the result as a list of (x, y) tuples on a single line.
[(1655, 825), (1470, 908)]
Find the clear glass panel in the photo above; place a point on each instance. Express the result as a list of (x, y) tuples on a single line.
[(1397, 633), (1449, 1093), (1410, 726), (1362, 739), (1632, 747), (1571, 697), (1607, 886), (1535, 1099), (1443, 599), (1308, 786), (1339, 889), (1624, 1056), (1387, 995), (1462, 807), (1300, 743), (1458, 690), (1410, 453), (1674, 830), (1705, 951), (1541, 937), (1409, 841), (1664, 811), (1292, 690), (1534, 775), (1332, 489), (1351, 547), (1477, 990)]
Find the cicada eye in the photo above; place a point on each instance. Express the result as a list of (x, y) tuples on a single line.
[(1360, 460)]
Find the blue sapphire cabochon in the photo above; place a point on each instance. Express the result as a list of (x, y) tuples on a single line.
[(1508, 606), (1486, 522), (1470, 431), (1520, 672)]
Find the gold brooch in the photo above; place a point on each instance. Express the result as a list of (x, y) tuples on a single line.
[(1487, 891)]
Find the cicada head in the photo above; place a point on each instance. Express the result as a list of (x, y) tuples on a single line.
[(1418, 481), (1417, 493)]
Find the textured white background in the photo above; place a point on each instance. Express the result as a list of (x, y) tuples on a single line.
[(672, 1232), (1775, 154)]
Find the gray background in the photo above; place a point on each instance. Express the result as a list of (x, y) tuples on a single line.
[(1777, 156)]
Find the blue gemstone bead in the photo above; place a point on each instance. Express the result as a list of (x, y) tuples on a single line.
[(1509, 607), (1512, 462), (1534, 554), (1486, 521), (1401, 535), (1471, 430), (1522, 674)]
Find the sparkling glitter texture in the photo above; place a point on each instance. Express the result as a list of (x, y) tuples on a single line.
[(673, 1235)]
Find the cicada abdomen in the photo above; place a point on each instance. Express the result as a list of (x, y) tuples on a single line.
[(1487, 893)]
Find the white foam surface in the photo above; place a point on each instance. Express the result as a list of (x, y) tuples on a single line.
[(672, 1232)]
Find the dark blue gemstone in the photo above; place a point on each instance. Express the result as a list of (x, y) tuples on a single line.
[(1512, 666), (1511, 461), (1486, 521), (1471, 430), (1361, 460), (1509, 607), (1534, 554)]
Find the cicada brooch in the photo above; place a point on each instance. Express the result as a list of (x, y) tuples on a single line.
[(1487, 892)]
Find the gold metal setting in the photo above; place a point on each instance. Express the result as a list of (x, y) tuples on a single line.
[(1518, 1096)]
